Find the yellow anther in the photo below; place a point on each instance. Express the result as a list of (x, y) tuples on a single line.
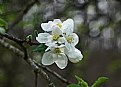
[(70, 39), (55, 37), (57, 50), (59, 25)]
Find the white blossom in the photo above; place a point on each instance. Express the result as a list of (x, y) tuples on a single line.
[(72, 39), (55, 55), (54, 37), (60, 41)]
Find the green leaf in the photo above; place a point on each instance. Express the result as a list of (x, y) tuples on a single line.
[(3, 23), (81, 82), (29, 38), (74, 85), (2, 30), (40, 48), (99, 81)]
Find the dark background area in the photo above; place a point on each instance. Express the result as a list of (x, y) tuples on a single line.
[(98, 24)]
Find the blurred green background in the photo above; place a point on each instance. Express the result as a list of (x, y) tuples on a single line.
[(98, 24)]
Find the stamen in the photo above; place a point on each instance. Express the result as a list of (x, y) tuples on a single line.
[(70, 39), (59, 25), (57, 50), (55, 37)]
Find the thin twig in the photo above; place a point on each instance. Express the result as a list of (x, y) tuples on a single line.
[(53, 73), (12, 48), (50, 83), (17, 40)]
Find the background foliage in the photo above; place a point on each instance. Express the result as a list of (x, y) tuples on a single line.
[(97, 22)]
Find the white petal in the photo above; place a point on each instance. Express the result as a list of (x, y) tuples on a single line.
[(74, 55), (47, 59), (55, 21), (51, 44), (62, 40), (69, 46), (61, 61), (47, 26), (76, 39), (43, 37), (56, 31), (68, 26)]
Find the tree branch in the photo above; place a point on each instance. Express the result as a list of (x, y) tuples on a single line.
[(17, 40), (28, 60), (52, 72), (50, 84), (12, 48), (35, 66)]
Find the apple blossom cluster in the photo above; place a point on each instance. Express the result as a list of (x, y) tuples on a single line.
[(60, 41)]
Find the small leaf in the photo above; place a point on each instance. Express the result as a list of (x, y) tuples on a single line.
[(29, 38), (36, 33), (3, 23), (40, 48), (99, 81), (2, 30), (74, 85), (81, 82)]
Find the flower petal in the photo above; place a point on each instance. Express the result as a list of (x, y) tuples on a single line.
[(68, 26), (56, 31), (43, 37), (74, 55), (61, 61), (62, 40), (55, 21), (47, 26), (47, 59), (69, 46), (76, 39), (50, 45)]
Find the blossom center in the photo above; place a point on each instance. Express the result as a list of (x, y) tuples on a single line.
[(57, 50), (59, 25), (70, 39), (55, 37)]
